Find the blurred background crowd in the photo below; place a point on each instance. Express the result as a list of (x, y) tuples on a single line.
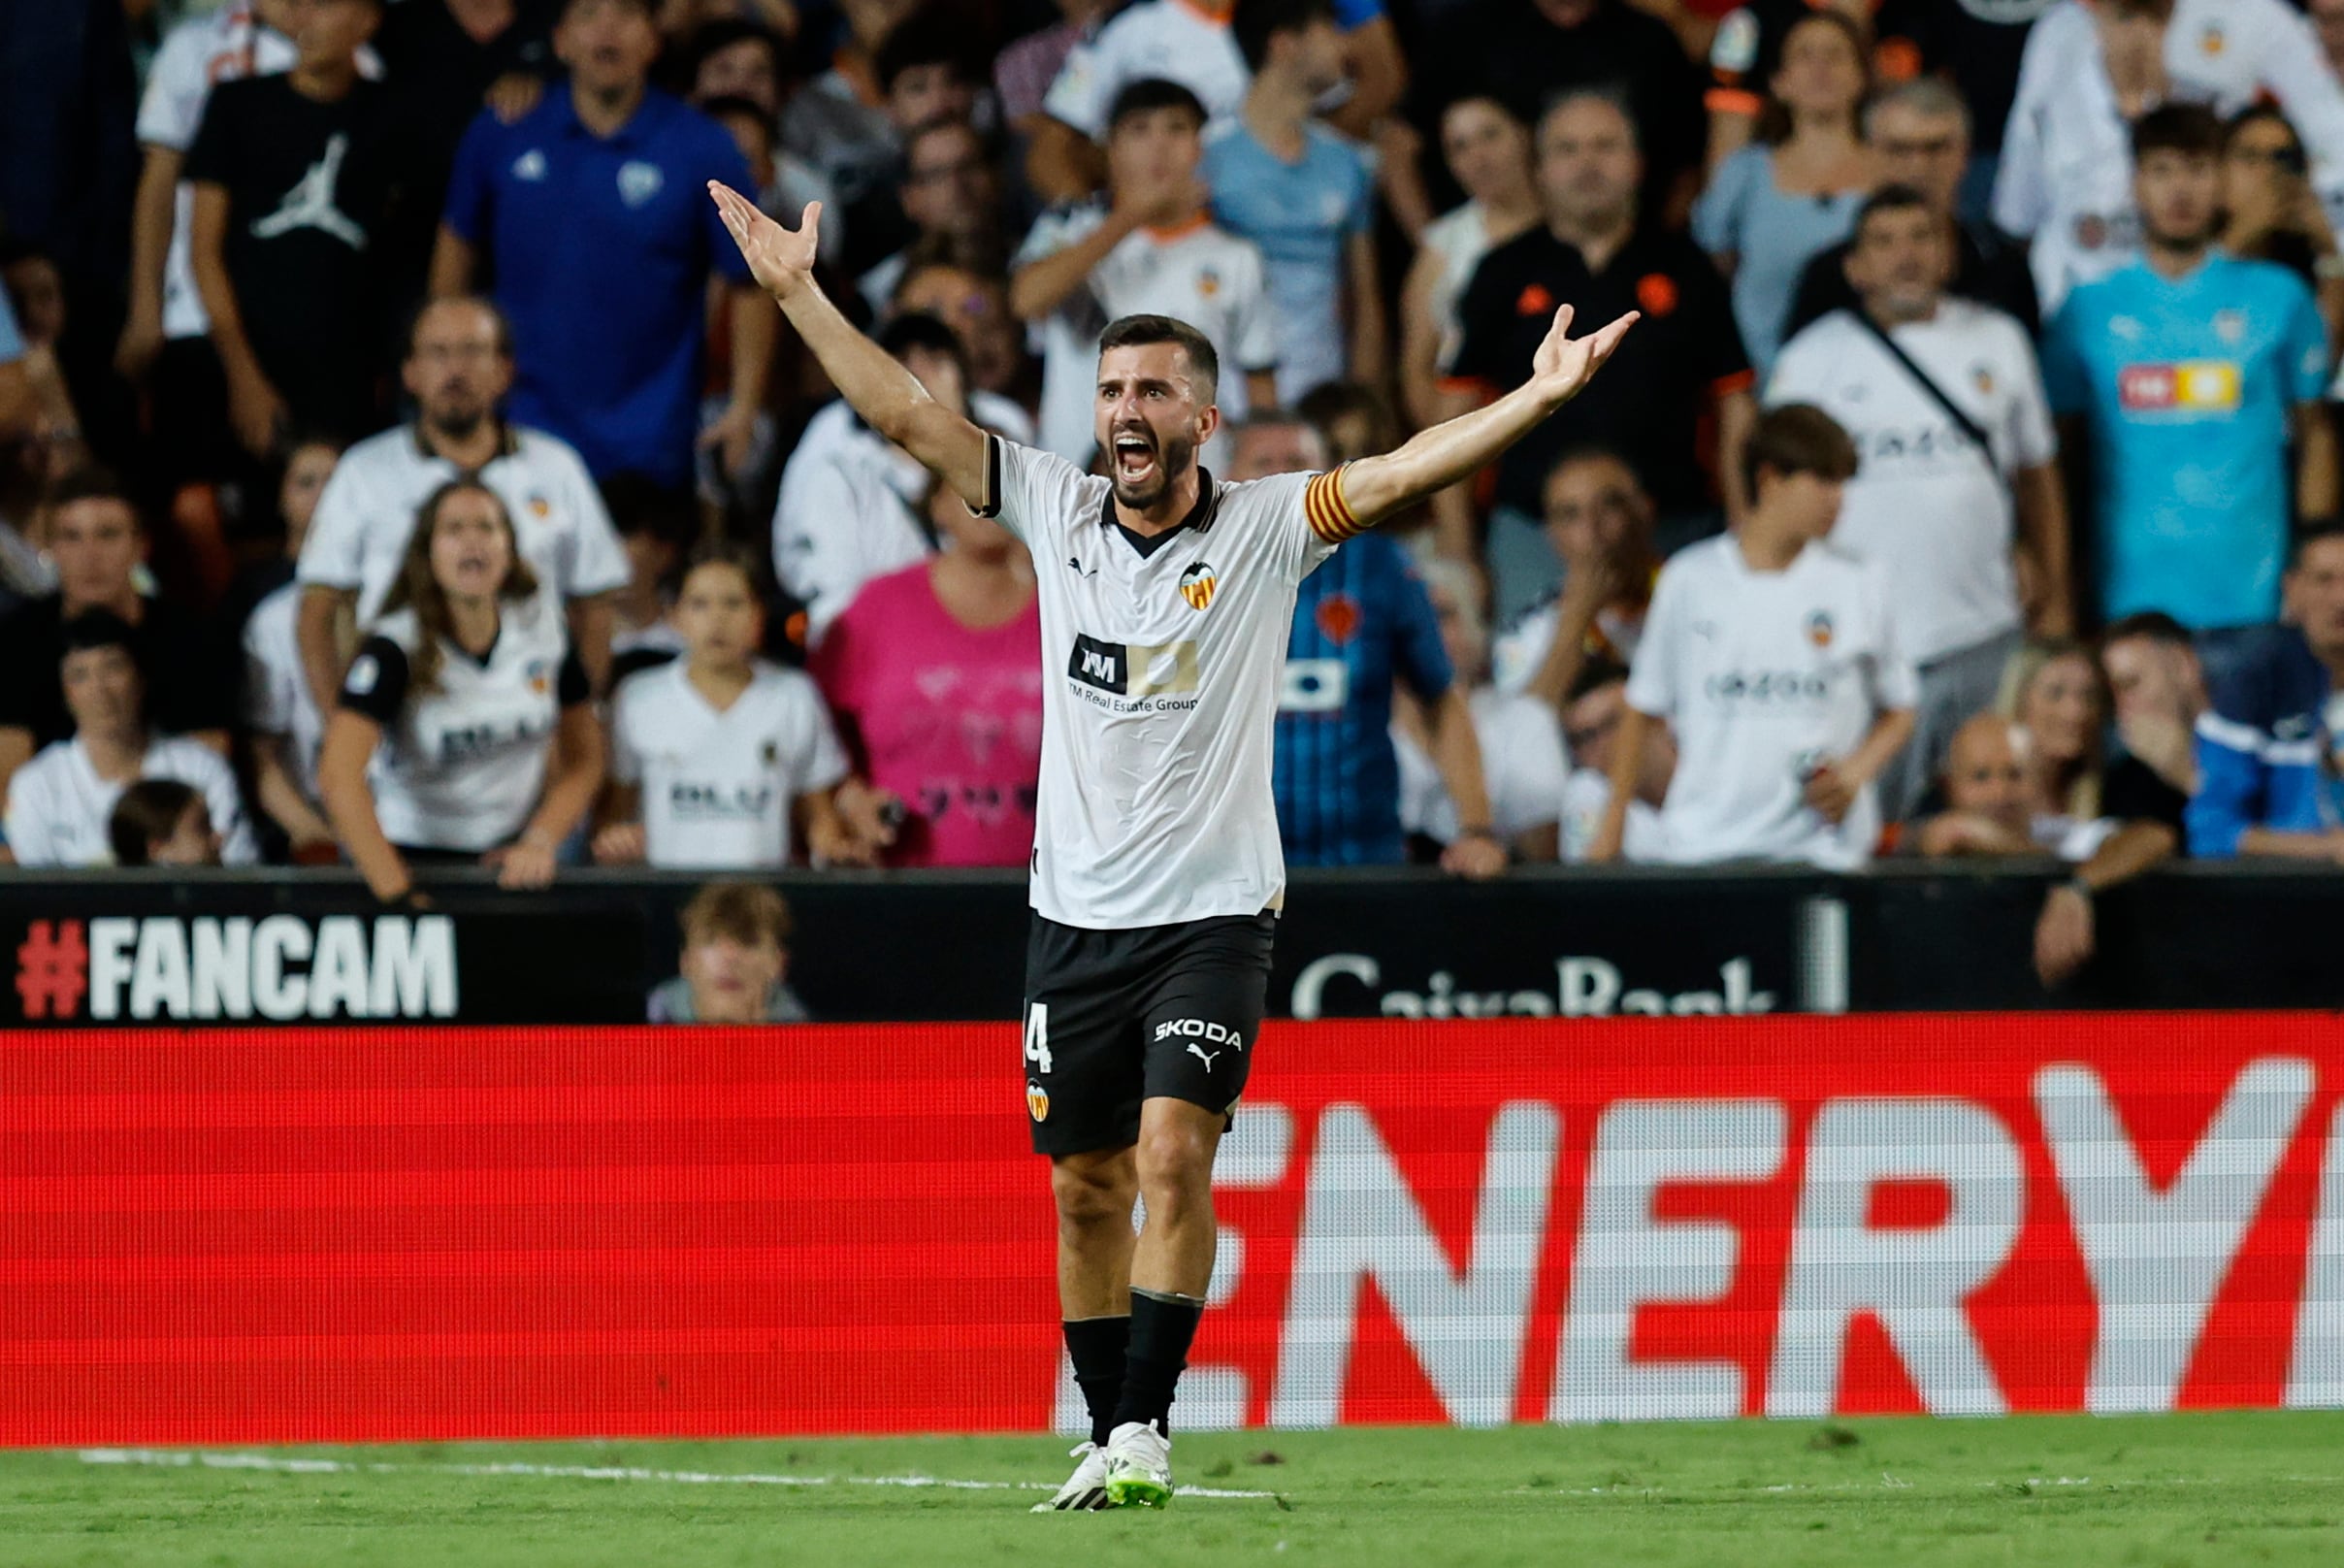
[(397, 465)]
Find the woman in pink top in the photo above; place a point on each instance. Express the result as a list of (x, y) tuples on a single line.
[(935, 674)]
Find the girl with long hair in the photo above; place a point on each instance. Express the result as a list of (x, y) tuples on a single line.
[(464, 730)]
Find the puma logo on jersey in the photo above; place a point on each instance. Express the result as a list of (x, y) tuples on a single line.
[(1204, 1056)]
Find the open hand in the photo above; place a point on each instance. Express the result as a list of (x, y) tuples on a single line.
[(781, 260), (1564, 365)]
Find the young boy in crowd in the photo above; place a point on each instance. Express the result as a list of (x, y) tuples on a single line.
[(1771, 656)]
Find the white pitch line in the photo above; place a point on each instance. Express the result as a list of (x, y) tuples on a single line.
[(209, 1459)]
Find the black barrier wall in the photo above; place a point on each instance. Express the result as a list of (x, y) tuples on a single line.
[(258, 948)]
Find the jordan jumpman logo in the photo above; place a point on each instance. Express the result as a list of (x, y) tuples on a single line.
[(310, 205)]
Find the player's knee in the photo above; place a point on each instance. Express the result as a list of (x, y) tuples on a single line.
[(1090, 1193), (1175, 1165)]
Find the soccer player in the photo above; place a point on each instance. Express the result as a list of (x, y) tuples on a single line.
[(1155, 876)]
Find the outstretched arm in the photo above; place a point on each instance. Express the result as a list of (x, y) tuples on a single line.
[(1431, 461), (889, 397)]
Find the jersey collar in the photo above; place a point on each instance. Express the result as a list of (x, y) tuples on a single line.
[(508, 442), (1200, 516)]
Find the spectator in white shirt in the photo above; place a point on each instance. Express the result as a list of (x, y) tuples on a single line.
[(61, 802), (1168, 40), (464, 732), (853, 504), (162, 822), (655, 527), (722, 760), (1959, 482), (280, 707), (459, 367), (1153, 249), (1599, 521), (1593, 710), (1522, 766), (1772, 654), (2091, 69)]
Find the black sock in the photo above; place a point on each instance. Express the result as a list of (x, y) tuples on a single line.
[(1096, 1346), (1161, 1328)]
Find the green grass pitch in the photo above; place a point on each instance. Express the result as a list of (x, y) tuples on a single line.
[(2229, 1489)]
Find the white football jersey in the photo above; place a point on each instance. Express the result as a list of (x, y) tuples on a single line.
[(463, 766), (367, 515), (1166, 39), (277, 699), (58, 806), (850, 505), (1586, 794), (718, 787), (1926, 506), (1199, 273), (1765, 675), (1521, 769), (1518, 652), (1161, 661)]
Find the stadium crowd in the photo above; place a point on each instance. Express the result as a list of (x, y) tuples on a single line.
[(398, 466)]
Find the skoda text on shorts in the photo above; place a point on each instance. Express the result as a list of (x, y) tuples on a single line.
[(1156, 874)]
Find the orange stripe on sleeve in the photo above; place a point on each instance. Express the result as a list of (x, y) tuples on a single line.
[(1330, 515), (1725, 386), (1732, 101)]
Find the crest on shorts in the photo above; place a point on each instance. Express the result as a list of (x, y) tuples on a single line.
[(1196, 585), (1819, 628), (1037, 1102)]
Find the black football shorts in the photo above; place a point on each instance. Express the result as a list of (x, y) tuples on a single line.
[(1117, 1016)]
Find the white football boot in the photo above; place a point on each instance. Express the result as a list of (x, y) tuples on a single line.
[(1086, 1488), (1139, 1466)]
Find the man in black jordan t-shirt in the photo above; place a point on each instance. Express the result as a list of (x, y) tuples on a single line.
[(292, 187)]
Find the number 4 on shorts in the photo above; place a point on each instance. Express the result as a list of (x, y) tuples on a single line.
[(1038, 1035)]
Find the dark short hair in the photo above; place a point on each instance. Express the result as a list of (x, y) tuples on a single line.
[(2153, 625), (1504, 103), (1889, 199), (1597, 92), (917, 329), (1255, 22), (749, 912), (89, 482), (936, 34), (100, 629), (1798, 438), (649, 8), (147, 812), (2192, 129), (1150, 93), (720, 33), (1138, 331), (496, 313), (753, 564), (1595, 673), (2311, 533), (732, 105), (640, 505)]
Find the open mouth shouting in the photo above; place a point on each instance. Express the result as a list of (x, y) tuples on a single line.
[(1136, 462)]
